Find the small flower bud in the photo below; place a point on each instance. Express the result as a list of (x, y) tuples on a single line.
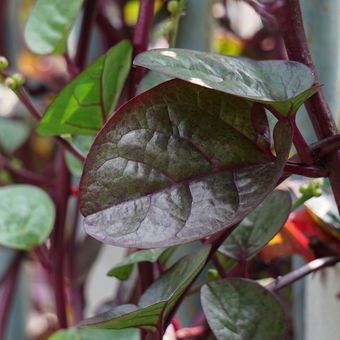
[(10, 82), (3, 63), (19, 79), (173, 6)]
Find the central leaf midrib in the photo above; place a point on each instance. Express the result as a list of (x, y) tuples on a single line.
[(188, 180)]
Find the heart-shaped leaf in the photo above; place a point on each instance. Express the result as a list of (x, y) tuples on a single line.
[(175, 164), (158, 300), (12, 134), (84, 103), (49, 25), (98, 334), (283, 84), (242, 309), (26, 216), (123, 270), (259, 227)]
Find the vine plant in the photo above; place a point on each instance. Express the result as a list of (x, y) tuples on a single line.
[(194, 158)]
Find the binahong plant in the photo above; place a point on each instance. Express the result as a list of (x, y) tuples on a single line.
[(195, 157)]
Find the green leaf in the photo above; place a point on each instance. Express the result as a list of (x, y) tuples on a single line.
[(124, 269), (26, 216), (49, 25), (97, 334), (242, 309), (13, 134), (158, 300), (87, 99), (283, 84), (83, 143), (176, 164), (258, 228)]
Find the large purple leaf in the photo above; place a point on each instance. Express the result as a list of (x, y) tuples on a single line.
[(176, 164)]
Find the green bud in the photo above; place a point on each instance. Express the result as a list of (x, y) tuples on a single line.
[(19, 79), (173, 6), (10, 82), (3, 63)]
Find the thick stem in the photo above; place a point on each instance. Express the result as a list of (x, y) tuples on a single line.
[(326, 146), (141, 40), (88, 21), (9, 286), (58, 246), (301, 272), (291, 24)]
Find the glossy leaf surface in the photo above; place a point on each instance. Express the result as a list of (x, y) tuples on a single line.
[(26, 216), (241, 309), (124, 269), (85, 101), (12, 134), (49, 25), (97, 334), (258, 228), (283, 84), (175, 164), (158, 300)]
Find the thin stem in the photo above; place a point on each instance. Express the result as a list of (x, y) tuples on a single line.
[(301, 272), (218, 266), (291, 23), (26, 101), (88, 21), (9, 286), (141, 40), (326, 146), (190, 332), (58, 246), (25, 175), (307, 171), (301, 145)]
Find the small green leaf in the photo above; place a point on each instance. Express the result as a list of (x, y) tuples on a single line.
[(26, 216), (124, 269), (97, 334), (87, 99), (258, 228), (13, 134), (49, 25), (175, 164), (83, 143), (158, 300), (283, 84), (241, 309)]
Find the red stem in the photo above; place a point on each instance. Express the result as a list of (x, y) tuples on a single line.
[(141, 40), (9, 286), (88, 21), (3, 22), (58, 246), (291, 23)]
